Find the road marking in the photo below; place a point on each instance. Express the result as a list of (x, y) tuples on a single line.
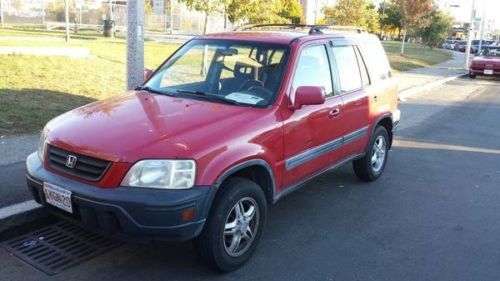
[(19, 208), (439, 146)]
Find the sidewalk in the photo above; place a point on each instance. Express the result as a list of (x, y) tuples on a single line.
[(424, 76)]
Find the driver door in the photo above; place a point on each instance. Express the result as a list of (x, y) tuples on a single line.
[(313, 133)]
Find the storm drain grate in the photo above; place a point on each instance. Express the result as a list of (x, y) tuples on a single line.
[(58, 246)]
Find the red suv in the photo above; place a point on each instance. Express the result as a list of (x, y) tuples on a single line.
[(227, 125)]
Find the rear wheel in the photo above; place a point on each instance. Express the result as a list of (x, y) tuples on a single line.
[(472, 75), (371, 166), (234, 226)]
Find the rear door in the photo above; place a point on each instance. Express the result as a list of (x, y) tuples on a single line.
[(354, 82), (313, 133)]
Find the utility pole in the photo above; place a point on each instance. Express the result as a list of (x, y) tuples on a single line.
[(481, 30), (66, 18), (469, 35), (135, 43)]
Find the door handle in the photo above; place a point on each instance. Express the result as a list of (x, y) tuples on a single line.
[(334, 112)]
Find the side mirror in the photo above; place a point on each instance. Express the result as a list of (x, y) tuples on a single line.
[(147, 73), (308, 95)]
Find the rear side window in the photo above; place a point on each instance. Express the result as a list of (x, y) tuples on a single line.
[(375, 59), (348, 69), (313, 69)]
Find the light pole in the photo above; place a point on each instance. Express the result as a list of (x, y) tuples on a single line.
[(469, 35), (135, 43)]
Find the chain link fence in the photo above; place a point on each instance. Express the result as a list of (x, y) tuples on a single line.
[(86, 15)]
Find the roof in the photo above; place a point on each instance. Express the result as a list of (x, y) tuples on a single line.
[(284, 34), (275, 37)]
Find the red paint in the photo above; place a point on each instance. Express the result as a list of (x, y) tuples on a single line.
[(140, 125)]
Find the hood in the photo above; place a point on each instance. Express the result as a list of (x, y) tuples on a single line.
[(142, 125)]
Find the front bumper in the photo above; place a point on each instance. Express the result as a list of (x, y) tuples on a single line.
[(130, 213)]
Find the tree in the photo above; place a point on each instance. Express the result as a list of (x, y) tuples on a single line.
[(206, 6), (291, 10), (265, 11), (436, 31), (413, 14), (390, 17), (353, 13)]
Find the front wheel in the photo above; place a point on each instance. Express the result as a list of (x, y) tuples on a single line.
[(234, 226), (371, 166)]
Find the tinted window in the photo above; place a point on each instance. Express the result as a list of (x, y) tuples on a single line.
[(347, 65), (313, 69)]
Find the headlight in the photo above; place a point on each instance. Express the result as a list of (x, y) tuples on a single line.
[(168, 174), (42, 144)]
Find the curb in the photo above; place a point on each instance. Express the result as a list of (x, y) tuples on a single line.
[(20, 214), (404, 94)]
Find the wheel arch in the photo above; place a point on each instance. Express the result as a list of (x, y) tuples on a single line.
[(257, 170), (386, 122)]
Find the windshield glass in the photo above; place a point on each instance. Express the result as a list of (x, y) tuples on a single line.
[(490, 52), (245, 73)]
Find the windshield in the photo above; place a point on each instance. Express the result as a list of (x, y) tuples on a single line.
[(244, 73), (490, 52)]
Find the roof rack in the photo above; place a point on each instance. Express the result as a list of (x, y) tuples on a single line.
[(313, 29)]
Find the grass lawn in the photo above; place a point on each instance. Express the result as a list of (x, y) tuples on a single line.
[(415, 55), (35, 89)]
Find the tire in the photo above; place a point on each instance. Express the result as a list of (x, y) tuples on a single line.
[(472, 76), (214, 246), (365, 168)]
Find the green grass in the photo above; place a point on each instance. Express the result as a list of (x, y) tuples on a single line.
[(415, 55), (35, 89)]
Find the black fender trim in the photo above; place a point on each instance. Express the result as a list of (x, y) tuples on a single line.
[(246, 164)]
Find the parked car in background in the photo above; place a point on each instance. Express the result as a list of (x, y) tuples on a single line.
[(460, 46), (475, 45), (487, 63), (449, 44), (228, 125)]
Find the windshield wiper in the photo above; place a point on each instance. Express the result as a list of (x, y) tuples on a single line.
[(151, 90), (208, 96)]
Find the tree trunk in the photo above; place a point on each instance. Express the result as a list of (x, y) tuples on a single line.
[(404, 40), (66, 18), (205, 25)]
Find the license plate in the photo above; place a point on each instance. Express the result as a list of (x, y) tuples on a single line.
[(58, 197), (488, 71)]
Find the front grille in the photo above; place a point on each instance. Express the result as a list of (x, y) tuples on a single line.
[(85, 167)]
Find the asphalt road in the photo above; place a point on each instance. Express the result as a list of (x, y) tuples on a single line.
[(434, 215)]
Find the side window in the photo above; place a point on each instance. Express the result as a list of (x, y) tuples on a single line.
[(313, 69), (362, 67), (348, 69)]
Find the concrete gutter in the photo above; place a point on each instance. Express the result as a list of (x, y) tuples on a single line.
[(415, 90)]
